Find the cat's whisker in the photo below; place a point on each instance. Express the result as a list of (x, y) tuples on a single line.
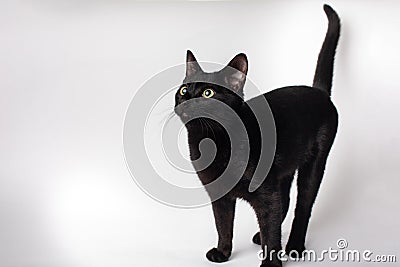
[(167, 117), (211, 128)]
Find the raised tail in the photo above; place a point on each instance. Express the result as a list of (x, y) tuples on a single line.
[(324, 72)]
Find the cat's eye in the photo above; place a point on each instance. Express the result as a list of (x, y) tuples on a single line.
[(183, 90), (208, 93)]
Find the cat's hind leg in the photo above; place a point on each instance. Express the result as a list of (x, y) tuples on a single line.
[(308, 182)]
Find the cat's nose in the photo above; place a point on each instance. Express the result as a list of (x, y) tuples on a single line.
[(181, 113)]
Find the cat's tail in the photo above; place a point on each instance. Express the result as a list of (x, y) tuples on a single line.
[(324, 72)]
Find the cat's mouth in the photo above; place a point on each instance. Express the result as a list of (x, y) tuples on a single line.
[(189, 120)]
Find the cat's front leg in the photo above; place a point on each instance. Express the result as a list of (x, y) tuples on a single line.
[(269, 213), (224, 213)]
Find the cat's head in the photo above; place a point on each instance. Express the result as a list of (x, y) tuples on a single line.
[(200, 89)]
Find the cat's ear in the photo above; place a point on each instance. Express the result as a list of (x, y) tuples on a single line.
[(192, 66), (235, 73)]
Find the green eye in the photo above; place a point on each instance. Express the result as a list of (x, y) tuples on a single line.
[(208, 93), (183, 90)]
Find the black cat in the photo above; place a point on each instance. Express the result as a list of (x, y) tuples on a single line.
[(306, 123)]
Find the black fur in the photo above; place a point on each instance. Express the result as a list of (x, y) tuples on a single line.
[(306, 122), (324, 72)]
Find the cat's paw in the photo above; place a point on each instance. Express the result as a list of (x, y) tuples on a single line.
[(215, 255), (295, 251), (257, 239)]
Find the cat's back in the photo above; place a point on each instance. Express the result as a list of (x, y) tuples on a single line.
[(302, 116), (301, 105), (299, 112), (297, 97)]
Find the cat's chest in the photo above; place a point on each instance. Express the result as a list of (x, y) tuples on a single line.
[(207, 152)]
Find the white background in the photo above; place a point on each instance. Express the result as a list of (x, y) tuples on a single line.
[(68, 70)]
